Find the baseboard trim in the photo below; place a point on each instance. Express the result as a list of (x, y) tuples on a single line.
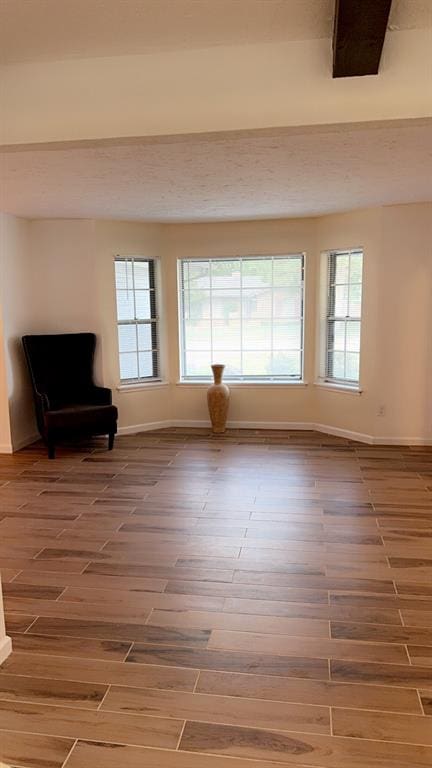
[(148, 427), (205, 424), (402, 441), (358, 437), (276, 425), (5, 648)]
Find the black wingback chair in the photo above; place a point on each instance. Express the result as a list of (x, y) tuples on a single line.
[(67, 401)]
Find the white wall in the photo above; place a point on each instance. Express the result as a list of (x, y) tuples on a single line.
[(69, 283), (404, 380), (212, 89)]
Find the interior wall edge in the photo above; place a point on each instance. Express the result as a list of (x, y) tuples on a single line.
[(5, 648), (24, 441)]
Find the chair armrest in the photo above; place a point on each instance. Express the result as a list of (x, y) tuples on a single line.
[(42, 401), (42, 405), (100, 396)]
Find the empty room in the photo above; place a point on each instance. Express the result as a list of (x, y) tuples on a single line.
[(215, 383)]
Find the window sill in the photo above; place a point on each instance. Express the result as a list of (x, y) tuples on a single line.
[(346, 388), (142, 385), (246, 384)]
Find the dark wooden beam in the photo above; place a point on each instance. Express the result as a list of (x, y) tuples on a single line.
[(358, 36)]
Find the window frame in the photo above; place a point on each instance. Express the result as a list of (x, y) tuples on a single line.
[(330, 319), (275, 380), (153, 321)]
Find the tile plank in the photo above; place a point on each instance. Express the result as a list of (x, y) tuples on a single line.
[(33, 751), (408, 729), (320, 692), (290, 748), (219, 709)]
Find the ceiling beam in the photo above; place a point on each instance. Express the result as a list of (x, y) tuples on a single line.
[(358, 36)]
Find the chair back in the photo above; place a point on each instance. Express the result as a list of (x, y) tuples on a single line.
[(61, 365)]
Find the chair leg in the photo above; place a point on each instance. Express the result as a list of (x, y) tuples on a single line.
[(111, 437), (51, 450)]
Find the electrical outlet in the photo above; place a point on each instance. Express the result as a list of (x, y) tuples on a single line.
[(381, 410)]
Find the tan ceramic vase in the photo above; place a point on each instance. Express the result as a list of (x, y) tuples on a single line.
[(218, 396)]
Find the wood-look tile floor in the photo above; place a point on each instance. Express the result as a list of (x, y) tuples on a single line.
[(257, 599)]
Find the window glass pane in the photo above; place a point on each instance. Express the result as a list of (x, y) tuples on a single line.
[(257, 303), (355, 293), (141, 274), (287, 334), (257, 334), (127, 338), (142, 300), (226, 335), (196, 275), (337, 365), (286, 364), (225, 304), (231, 360), (257, 364), (125, 305), (352, 366), (225, 274), (196, 304), (257, 273), (353, 337), (198, 363), (342, 268), (128, 365), (356, 268), (145, 337), (197, 334), (341, 301), (287, 302), (123, 275), (338, 333), (145, 364), (287, 272)]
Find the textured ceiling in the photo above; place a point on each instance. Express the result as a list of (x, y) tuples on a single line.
[(275, 174), (41, 30)]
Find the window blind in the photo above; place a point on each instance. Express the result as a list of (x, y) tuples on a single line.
[(244, 312), (343, 319), (137, 321)]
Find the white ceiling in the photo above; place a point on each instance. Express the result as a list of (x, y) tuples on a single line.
[(216, 177), (42, 30)]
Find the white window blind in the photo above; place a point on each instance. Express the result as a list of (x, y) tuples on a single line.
[(244, 312), (343, 320), (137, 320)]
